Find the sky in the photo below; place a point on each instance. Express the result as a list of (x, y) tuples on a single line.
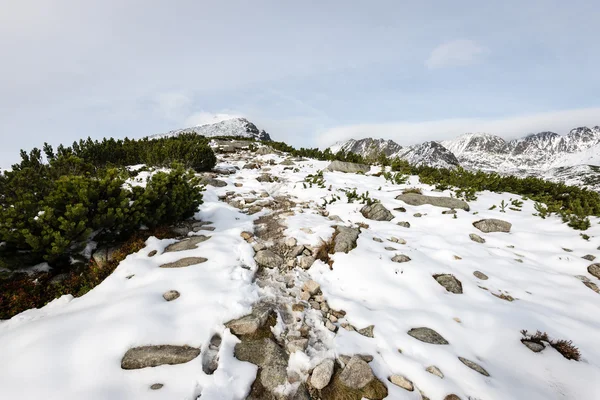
[(309, 72)]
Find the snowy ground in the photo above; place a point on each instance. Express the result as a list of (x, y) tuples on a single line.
[(72, 348)]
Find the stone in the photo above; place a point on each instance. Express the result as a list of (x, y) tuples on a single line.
[(329, 325), (104, 256), (298, 307), (452, 397), (185, 262), (264, 150), (400, 209), (296, 251), (357, 374), (417, 215), (290, 242), (404, 224), (449, 282), (480, 275), (390, 248), (445, 212), (321, 375), (427, 335), (368, 331), (592, 286), (533, 346), (249, 324), (269, 356), (397, 240), (306, 262), (247, 235), (341, 166), (186, 244), (335, 218), (304, 296), (432, 369), (474, 366), (297, 345), (259, 246), (400, 258), (214, 182), (378, 240), (589, 257), (238, 185), (251, 166), (268, 259), (264, 178), (402, 382), (567, 250), (492, 225), (171, 295), (594, 269), (345, 239), (152, 253), (153, 356), (376, 212), (476, 238), (156, 386), (415, 199), (311, 287)]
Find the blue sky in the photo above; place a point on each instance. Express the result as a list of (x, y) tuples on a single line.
[(309, 73)]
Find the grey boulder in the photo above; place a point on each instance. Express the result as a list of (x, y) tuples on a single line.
[(377, 212), (492, 225), (415, 199), (341, 166), (153, 356)]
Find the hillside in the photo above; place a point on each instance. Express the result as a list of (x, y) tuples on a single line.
[(229, 127), (295, 282)]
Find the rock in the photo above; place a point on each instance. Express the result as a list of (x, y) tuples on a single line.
[(592, 286), (265, 178), (171, 295), (152, 253), (533, 346), (397, 240), (474, 366), (594, 270), (297, 345), (238, 185), (445, 212), (345, 239), (153, 356), (306, 262), (589, 257), (376, 212), (476, 238), (415, 199), (249, 324), (368, 331), (321, 375), (311, 287), (186, 244), (56, 279), (214, 182), (400, 258), (329, 325), (251, 166), (357, 373), (185, 262), (404, 224), (390, 248), (400, 209), (432, 369), (492, 225), (401, 381), (247, 235), (452, 397), (427, 335), (157, 386), (291, 242), (341, 166), (304, 296), (287, 162), (269, 356), (261, 151), (417, 215), (268, 259), (449, 282), (378, 240), (567, 250), (104, 256), (480, 275)]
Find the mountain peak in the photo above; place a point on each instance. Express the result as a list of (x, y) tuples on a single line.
[(236, 126)]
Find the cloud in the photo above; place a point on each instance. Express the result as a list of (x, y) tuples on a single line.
[(457, 53), (204, 117), (172, 105), (407, 133)]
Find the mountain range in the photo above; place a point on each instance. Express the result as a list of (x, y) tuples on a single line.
[(229, 127)]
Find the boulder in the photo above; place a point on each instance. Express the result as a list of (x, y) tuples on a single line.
[(269, 356), (432, 369), (264, 178), (268, 259), (415, 199), (249, 324), (594, 269), (104, 256), (377, 212), (533, 346), (171, 295), (400, 258), (402, 382), (589, 257), (368, 331), (342, 166), (321, 375), (480, 275), (492, 225), (185, 262), (311, 287), (427, 335), (186, 244), (345, 239), (404, 224), (474, 366), (357, 374), (476, 238), (153, 356), (449, 282)]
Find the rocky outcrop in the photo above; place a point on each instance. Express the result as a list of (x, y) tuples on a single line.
[(345, 239), (348, 167), (377, 212), (415, 199), (492, 225), (153, 356)]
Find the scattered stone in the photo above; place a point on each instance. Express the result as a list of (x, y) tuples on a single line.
[(378, 240), (251, 166), (311, 287), (250, 323), (376, 212), (357, 374), (287, 162), (171, 295), (592, 286), (415, 199), (400, 209), (265, 178), (259, 246), (185, 262), (427, 335), (269, 356), (480, 275), (457, 257), (348, 167), (238, 185), (104, 256), (594, 270), (304, 296), (298, 307), (404, 224), (432, 369), (214, 182), (474, 366), (397, 240), (492, 225), (453, 211), (247, 236), (476, 238), (401, 381), (452, 397), (306, 262), (533, 346), (321, 375), (291, 242), (268, 259), (449, 282), (567, 250), (589, 257), (368, 331), (335, 218), (400, 258), (417, 215), (390, 248), (152, 253), (157, 386), (297, 345), (153, 356), (186, 244), (347, 326), (329, 325), (345, 239)]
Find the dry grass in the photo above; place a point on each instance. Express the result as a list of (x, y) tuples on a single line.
[(412, 190), (564, 347), (325, 249)]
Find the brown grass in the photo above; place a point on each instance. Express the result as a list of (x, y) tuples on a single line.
[(412, 190), (564, 347)]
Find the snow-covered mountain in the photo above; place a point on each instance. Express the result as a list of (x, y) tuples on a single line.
[(369, 148), (568, 158), (230, 127)]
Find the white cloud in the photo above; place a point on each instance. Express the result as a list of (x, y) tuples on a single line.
[(204, 117), (407, 133), (457, 53), (172, 105)]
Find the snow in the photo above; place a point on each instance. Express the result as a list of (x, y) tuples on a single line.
[(72, 348)]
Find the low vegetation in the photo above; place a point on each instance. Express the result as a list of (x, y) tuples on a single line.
[(564, 347)]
